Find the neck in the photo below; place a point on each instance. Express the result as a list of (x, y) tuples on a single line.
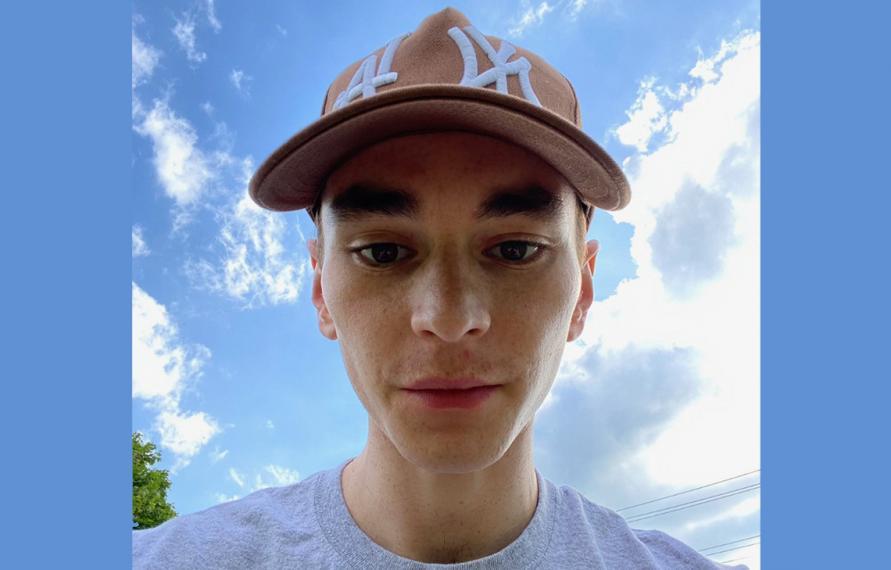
[(440, 517)]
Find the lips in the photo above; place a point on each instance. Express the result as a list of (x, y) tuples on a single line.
[(437, 383), (442, 393)]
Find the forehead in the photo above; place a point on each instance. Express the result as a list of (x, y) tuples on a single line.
[(410, 174)]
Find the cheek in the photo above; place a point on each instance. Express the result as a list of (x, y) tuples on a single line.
[(368, 319), (540, 307), (529, 329)]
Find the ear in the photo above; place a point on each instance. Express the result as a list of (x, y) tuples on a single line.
[(586, 295), (326, 323)]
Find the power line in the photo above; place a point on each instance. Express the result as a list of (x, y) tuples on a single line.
[(690, 504), (736, 548), (728, 543), (734, 560), (688, 491)]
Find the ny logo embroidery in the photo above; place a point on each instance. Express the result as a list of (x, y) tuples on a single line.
[(365, 80), (501, 67)]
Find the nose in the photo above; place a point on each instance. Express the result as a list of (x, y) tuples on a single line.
[(449, 303)]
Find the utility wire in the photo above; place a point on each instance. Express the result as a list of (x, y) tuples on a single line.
[(728, 543), (690, 504), (734, 560), (697, 502), (736, 548), (688, 491)]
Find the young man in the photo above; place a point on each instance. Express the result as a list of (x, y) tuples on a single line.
[(452, 189)]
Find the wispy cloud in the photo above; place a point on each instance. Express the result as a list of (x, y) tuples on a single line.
[(182, 167), (144, 60), (269, 424), (163, 366), (223, 498), (532, 16), (184, 31), (259, 264), (139, 248), (281, 30), (161, 362), (668, 366), (738, 510), (241, 81), (277, 477), (576, 7), (218, 455), (646, 117), (236, 476), (268, 476), (208, 108), (212, 16), (184, 433)]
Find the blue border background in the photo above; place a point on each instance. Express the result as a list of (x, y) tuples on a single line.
[(825, 381), (66, 286), (65, 235)]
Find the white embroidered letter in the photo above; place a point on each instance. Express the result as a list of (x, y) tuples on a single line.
[(365, 80), (501, 67)]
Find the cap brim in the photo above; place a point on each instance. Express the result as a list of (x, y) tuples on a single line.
[(292, 176)]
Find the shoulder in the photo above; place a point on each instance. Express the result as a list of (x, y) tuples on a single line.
[(614, 543), (237, 534)]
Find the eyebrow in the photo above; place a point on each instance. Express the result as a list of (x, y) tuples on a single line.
[(533, 201), (361, 200)]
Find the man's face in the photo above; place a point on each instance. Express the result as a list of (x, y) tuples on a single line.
[(450, 256)]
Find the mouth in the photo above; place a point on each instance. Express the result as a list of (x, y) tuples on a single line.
[(444, 393)]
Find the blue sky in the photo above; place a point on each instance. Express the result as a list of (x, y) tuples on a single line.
[(231, 376)]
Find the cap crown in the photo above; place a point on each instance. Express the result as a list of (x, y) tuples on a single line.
[(447, 50)]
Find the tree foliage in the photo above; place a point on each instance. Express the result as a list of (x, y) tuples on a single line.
[(150, 506)]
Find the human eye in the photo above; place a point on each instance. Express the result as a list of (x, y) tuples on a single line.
[(382, 254), (517, 252)]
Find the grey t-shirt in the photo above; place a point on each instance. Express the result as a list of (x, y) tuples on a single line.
[(307, 525)]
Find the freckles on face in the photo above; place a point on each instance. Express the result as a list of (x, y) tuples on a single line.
[(367, 318), (451, 305)]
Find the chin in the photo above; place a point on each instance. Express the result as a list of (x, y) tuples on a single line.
[(452, 453)]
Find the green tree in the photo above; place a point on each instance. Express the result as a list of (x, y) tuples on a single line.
[(150, 506)]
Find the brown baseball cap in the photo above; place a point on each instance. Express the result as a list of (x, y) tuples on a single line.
[(444, 76)]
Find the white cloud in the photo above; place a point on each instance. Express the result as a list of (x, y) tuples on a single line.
[(744, 508), (161, 363), (139, 248), (236, 476), (241, 81), (212, 16), (533, 16), (184, 31), (281, 30), (208, 108), (575, 7), (705, 67), (269, 424), (223, 498), (185, 433), (646, 117), (184, 170), (280, 476), (662, 393), (162, 366), (216, 455), (260, 264), (145, 59)]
